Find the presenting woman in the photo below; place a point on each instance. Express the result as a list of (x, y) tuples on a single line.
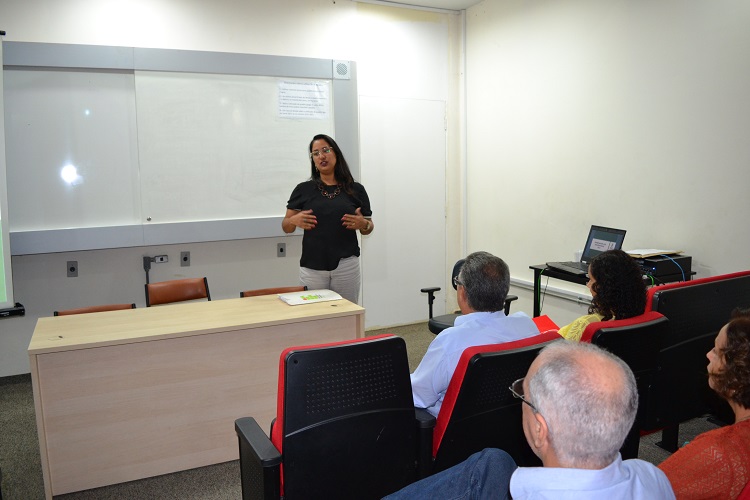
[(330, 208), (716, 464)]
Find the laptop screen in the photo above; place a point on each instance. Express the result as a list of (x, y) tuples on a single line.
[(600, 240)]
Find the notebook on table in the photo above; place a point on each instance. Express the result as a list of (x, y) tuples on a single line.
[(309, 296), (600, 240)]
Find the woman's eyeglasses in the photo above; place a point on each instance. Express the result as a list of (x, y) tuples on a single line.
[(316, 153)]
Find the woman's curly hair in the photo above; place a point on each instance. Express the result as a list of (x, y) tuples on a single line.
[(733, 382), (618, 285)]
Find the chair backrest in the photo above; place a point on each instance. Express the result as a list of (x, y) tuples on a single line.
[(345, 423), (696, 310), (637, 341), (93, 309), (272, 291), (456, 270), (166, 292), (479, 411)]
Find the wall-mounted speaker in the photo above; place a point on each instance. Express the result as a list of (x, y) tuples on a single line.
[(341, 70)]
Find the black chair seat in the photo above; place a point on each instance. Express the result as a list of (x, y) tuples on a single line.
[(437, 324)]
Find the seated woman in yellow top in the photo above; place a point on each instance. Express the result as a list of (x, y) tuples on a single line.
[(617, 290)]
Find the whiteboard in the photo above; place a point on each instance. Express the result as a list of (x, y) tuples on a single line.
[(215, 147), (83, 118), (169, 146)]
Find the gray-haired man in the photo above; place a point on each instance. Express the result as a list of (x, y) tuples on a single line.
[(579, 404)]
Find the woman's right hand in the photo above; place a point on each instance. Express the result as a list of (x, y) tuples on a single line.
[(304, 219)]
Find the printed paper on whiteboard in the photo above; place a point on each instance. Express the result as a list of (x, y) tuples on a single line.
[(310, 100)]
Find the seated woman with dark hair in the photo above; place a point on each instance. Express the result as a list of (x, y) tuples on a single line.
[(716, 464), (617, 290)]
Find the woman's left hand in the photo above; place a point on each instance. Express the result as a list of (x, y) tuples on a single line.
[(354, 222)]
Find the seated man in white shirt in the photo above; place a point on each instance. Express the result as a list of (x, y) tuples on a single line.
[(579, 404), (483, 285)]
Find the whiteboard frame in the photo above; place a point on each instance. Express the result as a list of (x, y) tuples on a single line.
[(5, 262), (20, 55)]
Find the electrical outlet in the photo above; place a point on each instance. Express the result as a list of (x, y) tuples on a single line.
[(161, 258), (72, 268), (184, 259), (281, 250)]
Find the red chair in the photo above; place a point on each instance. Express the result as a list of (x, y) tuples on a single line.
[(345, 424), (652, 297), (637, 341), (696, 311), (478, 410)]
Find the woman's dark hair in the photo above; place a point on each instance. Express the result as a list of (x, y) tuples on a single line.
[(342, 172), (618, 285), (733, 382)]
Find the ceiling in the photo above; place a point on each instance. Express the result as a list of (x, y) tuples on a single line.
[(435, 4)]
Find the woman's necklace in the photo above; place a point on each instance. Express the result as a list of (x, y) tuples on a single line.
[(328, 195)]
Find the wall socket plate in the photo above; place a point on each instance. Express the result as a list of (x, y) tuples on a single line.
[(184, 259), (72, 268), (281, 250)]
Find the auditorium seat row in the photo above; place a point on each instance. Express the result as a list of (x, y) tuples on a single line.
[(346, 426)]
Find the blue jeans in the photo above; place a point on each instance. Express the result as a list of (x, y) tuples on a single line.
[(483, 475)]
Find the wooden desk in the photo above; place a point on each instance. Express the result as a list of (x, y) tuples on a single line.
[(124, 395)]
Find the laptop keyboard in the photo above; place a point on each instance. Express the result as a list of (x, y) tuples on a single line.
[(575, 265), (571, 267)]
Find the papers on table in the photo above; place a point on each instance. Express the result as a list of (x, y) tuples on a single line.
[(309, 296), (643, 253)]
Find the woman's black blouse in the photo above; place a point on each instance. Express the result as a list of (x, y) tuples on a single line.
[(329, 242)]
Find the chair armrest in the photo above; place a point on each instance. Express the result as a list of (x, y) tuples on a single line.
[(430, 291), (425, 420), (508, 300), (425, 427), (260, 461)]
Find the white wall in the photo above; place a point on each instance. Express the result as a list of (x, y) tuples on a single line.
[(645, 100), (400, 54), (644, 104)]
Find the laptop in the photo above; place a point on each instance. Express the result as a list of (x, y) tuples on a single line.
[(600, 240)]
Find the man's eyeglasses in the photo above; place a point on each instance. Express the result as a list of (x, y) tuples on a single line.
[(316, 153), (517, 389), (457, 282)]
